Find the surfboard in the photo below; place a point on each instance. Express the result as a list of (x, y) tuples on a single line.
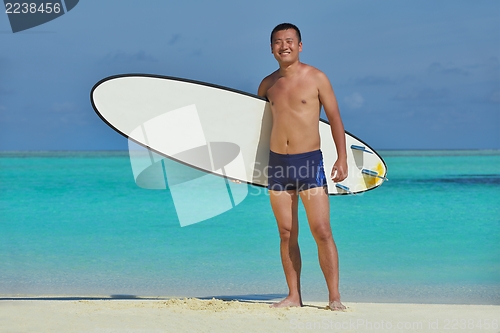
[(215, 129)]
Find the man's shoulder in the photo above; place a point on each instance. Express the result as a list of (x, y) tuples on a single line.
[(266, 83), (313, 71), (316, 77), (271, 77)]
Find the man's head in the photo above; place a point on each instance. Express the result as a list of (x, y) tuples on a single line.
[(286, 26), (286, 44)]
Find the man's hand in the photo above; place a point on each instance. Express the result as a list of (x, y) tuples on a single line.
[(339, 171)]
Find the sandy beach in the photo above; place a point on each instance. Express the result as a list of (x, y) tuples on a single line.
[(80, 314)]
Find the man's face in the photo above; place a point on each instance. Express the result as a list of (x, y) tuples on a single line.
[(285, 46)]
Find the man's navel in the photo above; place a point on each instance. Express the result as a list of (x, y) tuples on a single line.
[(303, 101)]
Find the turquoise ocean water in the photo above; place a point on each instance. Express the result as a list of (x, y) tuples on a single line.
[(75, 223)]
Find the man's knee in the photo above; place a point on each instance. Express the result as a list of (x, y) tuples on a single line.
[(288, 234), (322, 232)]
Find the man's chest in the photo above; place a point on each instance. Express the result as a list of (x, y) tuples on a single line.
[(293, 93)]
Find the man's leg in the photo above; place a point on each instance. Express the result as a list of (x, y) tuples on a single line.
[(317, 205), (285, 206)]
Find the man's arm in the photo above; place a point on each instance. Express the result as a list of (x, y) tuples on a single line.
[(329, 102), (262, 92)]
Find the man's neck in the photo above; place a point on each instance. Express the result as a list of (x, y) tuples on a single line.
[(287, 70)]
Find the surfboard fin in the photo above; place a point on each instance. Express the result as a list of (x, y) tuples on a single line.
[(361, 148), (372, 174), (344, 188)]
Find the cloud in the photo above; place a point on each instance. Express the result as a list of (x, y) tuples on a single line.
[(175, 38), (424, 94), (69, 113), (120, 56), (197, 53), (5, 91), (492, 63), (63, 107), (379, 80), (3, 114), (354, 101), (374, 80), (492, 98), (448, 70), (488, 70)]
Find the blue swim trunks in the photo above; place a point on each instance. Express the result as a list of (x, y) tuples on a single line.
[(296, 172)]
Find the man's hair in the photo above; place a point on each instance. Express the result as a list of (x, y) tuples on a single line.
[(286, 26)]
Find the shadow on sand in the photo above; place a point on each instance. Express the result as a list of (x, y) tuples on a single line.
[(79, 298), (249, 298)]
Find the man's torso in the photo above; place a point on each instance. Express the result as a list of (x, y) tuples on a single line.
[(295, 108)]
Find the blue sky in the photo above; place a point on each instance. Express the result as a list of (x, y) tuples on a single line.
[(407, 74)]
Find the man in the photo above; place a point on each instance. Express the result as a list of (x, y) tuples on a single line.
[(296, 92)]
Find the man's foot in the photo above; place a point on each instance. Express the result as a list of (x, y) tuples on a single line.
[(336, 306), (287, 302)]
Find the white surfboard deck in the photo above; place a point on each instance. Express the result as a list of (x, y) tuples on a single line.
[(216, 129)]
